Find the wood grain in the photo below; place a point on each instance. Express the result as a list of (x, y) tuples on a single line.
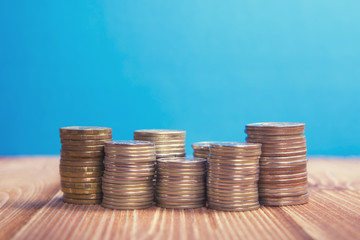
[(31, 208)]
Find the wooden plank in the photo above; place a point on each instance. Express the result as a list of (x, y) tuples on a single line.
[(31, 208)]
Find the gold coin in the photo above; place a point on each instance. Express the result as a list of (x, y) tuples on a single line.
[(83, 143), (81, 153), (80, 179), (82, 148), (107, 137), (81, 174), (81, 185), (85, 130), (81, 164), (81, 191), (82, 159), (80, 169), (81, 201), (84, 196)]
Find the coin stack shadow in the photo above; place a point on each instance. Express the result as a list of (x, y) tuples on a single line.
[(128, 176), (283, 162), (181, 182), (201, 149), (81, 163), (233, 174), (168, 143)]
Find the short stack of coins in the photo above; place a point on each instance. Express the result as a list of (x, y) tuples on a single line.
[(201, 149), (283, 162), (233, 174), (81, 163), (128, 176), (181, 182), (168, 143)]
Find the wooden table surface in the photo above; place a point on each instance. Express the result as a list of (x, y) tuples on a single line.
[(31, 208)]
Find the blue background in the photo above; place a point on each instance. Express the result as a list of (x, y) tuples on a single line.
[(208, 67)]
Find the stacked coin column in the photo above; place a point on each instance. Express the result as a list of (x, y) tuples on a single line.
[(233, 174), (181, 182), (81, 163), (128, 176), (283, 174), (168, 143), (201, 149)]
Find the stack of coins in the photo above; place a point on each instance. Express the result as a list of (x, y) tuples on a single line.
[(128, 176), (233, 174), (181, 182), (81, 163), (283, 174), (201, 149), (168, 143)]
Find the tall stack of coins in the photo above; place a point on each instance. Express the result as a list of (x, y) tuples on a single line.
[(181, 182), (233, 174), (201, 149), (81, 163), (128, 176), (168, 143), (283, 174)]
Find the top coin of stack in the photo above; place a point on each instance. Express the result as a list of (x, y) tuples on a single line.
[(201, 149), (81, 163), (283, 174), (168, 143), (233, 174)]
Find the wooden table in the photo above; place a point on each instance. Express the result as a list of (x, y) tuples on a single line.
[(31, 208)]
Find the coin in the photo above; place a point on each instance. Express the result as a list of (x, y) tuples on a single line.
[(83, 143), (81, 163), (64, 168), (82, 159), (240, 208), (80, 179), (81, 191), (155, 132), (81, 153), (81, 185), (181, 206), (105, 137), (81, 174), (120, 207), (92, 196), (81, 201), (82, 148), (85, 130)]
